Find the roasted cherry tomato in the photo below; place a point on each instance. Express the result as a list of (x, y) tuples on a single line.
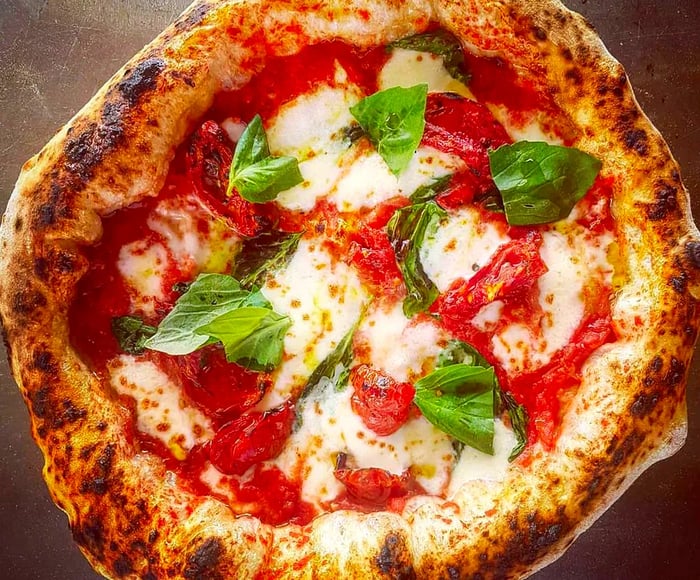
[(373, 257), (513, 270), (467, 129), (208, 161), (382, 403), (223, 390), (252, 438)]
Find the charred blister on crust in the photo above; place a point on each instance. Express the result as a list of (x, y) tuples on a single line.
[(203, 563), (666, 201), (143, 78), (26, 301), (90, 535), (98, 482), (122, 566), (692, 253), (394, 558)]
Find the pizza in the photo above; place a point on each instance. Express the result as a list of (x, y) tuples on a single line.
[(365, 289)]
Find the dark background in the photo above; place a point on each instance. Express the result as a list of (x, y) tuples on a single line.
[(54, 54)]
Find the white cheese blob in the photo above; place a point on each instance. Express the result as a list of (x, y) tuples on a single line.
[(142, 264), (161, 409), (329, 426), (324, 299)]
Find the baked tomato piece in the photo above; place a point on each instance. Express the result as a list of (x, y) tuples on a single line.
[(467, 129), (207, 163), (251, 438), (373, 256), (382, 403), (221, 389)]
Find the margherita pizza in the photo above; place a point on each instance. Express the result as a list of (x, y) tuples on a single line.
[(351, 289)]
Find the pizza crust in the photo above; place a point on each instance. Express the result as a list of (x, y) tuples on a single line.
[(128, 515)]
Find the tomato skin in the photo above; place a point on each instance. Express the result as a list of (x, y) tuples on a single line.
[(373, 256), (371, 488), (382, 403), (222, 390), (207, 164), (467, 129), (512, 271), (251, 438)]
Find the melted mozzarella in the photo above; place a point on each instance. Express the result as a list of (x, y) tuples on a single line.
[(404, 349), (324, 299), (461, 245), (142, 265), (161, 410), (407, 68), (329, 426)]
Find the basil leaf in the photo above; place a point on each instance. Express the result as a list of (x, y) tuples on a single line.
[(207, 298), (342, 355), (252, 336), (518, 420), (459, 400), (440, 43), (457, 352), (131, 333), (431, 190), (406, 230), (265, 253), (394, 121), (541, 183), (258, 176)]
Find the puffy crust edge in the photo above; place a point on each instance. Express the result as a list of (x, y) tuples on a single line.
[(127, 514)]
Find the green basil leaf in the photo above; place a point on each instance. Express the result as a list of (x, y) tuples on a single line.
[(131, 333), (394, 121), (252, 336), (406, 230), (258, 176), (265, 253), (541, 183), (431, 190), (342, 355), (440, 43), (518, 420), (459, 400), (457, 352), (207, 298)]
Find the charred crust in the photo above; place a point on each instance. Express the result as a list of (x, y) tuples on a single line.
[(142, 79), (19, 224), (679, 283), (204, 562), (122, 566), (192, 18), (644, 404), (68, 413), (394, 558), (539, 33), (675, 374), (26, 301), (90, 535), (87, 149), (453, 573), (152, 536), (574, 75), (636, 140), (692, 253), (43, 361), (567, 54), (98, 482), (666, 201), (40, 402)]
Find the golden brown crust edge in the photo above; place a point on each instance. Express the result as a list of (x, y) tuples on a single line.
[(132, 522)]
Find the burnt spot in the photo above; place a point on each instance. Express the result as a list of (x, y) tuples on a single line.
[(152, 536), (192, 18), (87, 451), (181, 76), (19, 224), (90, 535), (539, 33), (566, 53), (666, 202), (393, 558), (679, 283), (43, 361), (40, 401), (574, 75), (87, 149), (203, 564), (41, 268), (27, 301), (150, 576), (644, 404), (692, 253), (98, 482), (122, 566), (453, 573), (67, 413), (636, 140), (140, 80), (676, 372), (620, 453)]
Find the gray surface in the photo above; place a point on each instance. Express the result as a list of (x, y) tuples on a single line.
[(54, 54)]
